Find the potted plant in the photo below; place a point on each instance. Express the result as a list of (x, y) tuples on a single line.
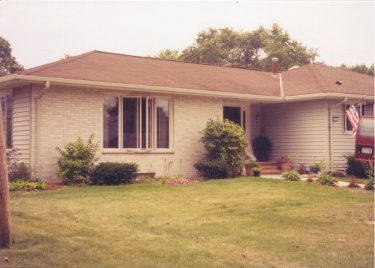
[(284, 163), (257, 171), (250, 168)]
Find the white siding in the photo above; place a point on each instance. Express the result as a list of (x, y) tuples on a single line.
[(21, 122), (298, 130)]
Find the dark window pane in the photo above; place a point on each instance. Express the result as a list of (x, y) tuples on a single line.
[(150, 123), (9, 120), (131, 122), (143, 121), (7, 110), (244, 120), (233, 114), (162, 121), (110, 122), (369, 109)]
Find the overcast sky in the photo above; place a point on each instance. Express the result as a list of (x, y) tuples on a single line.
[(43, 31)]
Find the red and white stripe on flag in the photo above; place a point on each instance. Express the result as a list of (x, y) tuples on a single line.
[(353, 117)]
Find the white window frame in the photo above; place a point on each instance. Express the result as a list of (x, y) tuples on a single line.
[(139, 149)]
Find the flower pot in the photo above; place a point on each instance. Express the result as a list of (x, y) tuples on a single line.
[(256, 173), (249, 172), (285, 167)]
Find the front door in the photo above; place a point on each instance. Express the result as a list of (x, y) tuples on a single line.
[(233, 114), (239, 114)]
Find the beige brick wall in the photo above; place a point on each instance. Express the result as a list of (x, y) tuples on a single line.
[(63, 114)]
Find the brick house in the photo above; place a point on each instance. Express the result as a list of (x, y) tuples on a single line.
[(151, 111)]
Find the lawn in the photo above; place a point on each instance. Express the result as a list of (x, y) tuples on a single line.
[(358, 180), (245, 222)]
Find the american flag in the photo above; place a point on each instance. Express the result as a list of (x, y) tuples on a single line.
[(353, 117)]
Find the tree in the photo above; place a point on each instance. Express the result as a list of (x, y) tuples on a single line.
[(5, 237), (359, 68), (250, 50), (169, 54), (8, 63)]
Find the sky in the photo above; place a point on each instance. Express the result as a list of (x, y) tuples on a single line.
[(43, 31)]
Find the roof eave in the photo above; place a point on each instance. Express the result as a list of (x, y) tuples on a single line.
[(13, 78), (144, 88), (328, 95)]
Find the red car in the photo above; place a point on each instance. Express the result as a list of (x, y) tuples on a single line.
[(364, 142)]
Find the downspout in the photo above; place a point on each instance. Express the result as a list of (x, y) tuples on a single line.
[(37, 119), (330, 131)]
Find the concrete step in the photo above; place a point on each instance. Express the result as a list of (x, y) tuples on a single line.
[(271, 172), (269, 168)]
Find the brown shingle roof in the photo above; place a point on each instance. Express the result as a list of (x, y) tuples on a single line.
[(315, 78), (117, 68)]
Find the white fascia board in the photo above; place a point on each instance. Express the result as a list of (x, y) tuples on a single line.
[(146, 88), (327, 95), (179, 91)]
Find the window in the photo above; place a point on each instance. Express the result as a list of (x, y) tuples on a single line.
[(136, 123), (7, 109), (111, 120), (362, 109), (236, 114)]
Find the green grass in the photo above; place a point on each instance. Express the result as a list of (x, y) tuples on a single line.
[(358, 180), (243, 222)]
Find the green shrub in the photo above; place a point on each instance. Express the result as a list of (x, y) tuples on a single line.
[(355, 167), (326, 179), (262, 148), (109, 173), (19, 171), (215, 169), (20, 185), (291, 175), (76, 160), (368, 166), (370, 185), (225, 140)]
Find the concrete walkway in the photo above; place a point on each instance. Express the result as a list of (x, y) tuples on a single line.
[(304, 178)]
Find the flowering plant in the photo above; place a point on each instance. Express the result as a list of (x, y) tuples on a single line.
[(283, 160), (178, 181)]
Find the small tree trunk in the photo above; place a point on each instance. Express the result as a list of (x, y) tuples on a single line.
[(5, 238)]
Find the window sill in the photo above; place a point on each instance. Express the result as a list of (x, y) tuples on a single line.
[(134, 151)]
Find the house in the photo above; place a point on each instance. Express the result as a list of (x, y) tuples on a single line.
[(151, 111)]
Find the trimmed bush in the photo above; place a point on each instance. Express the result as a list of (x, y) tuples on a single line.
[(291, 175), (215, 169), (326, 179), (76, 160), (225, 140), (355, 167), (110, 173)]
